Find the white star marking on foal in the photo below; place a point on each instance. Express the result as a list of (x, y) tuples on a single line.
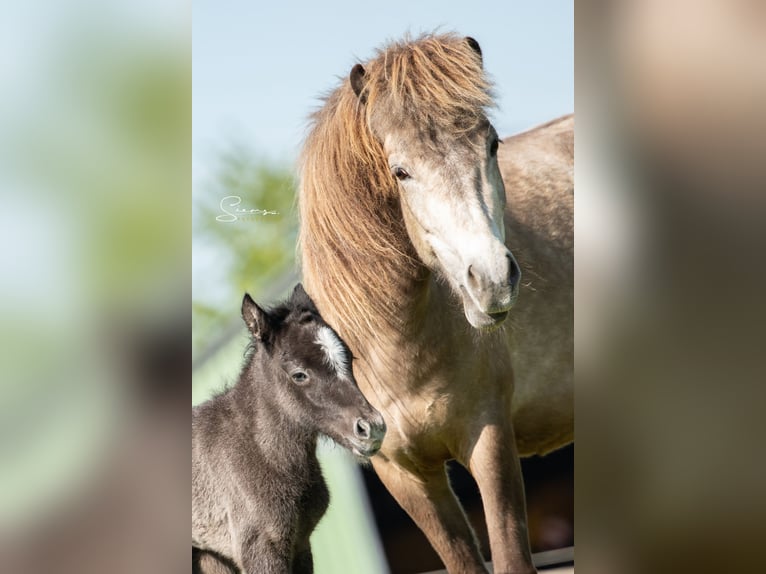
[(335, 354)]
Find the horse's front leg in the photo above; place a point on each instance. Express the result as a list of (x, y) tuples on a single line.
[(429, 500), (493, 461)]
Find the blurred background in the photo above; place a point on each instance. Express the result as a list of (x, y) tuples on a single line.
[(258, 72), (669, 320), (95, 172), (95, 143), (97, 157)]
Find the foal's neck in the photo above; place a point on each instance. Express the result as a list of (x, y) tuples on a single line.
[(285, 442)]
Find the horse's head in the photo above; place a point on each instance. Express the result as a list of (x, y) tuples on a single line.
[(312, 383), (426, 105)]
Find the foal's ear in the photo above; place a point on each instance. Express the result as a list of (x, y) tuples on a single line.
[(474, 46), (256, 319), (301, 300), (357, 79)]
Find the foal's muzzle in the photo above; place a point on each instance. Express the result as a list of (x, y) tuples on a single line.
[(368, 434)]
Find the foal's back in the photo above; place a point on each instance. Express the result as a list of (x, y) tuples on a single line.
[(217, 443)]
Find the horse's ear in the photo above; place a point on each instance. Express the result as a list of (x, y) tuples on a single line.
[(256, 319), (301, 299), (357, 79), (474, 46)]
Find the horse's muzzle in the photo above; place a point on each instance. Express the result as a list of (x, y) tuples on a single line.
[(487, 300)]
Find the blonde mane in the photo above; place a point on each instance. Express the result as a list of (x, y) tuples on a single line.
[(355, 248)]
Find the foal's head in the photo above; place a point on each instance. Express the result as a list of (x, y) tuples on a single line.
[(425, 103), (311, 379)]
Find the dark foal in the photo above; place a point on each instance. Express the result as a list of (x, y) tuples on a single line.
[(257, 488)]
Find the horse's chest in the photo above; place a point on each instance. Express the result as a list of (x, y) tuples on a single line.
[(441, 407), (422, 423)]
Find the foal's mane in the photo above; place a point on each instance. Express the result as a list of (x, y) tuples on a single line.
[(355, 246)]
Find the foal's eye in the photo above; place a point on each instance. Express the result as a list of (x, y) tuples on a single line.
[(306, 317), (493, 147), (299, 377), (401, 174)]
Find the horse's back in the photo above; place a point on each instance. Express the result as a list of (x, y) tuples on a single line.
[(538, 172)]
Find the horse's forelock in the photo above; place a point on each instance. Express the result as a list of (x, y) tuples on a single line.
[(432, 81)]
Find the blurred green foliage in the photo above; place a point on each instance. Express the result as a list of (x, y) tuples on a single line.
[(105, 151), (254, 250), (94, 180)]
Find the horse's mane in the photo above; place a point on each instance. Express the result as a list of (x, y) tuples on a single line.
[(354, 242)]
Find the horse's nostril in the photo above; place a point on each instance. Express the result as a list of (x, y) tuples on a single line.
[(514, 272), (362, 429), (472, 280)]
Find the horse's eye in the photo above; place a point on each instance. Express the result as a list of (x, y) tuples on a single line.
[(300, 377), (493, 147), (401, 174)]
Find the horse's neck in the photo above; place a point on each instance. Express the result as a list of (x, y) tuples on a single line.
[(382, 299), (395, 345)]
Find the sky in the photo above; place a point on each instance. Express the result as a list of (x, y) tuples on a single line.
[(259, 69)]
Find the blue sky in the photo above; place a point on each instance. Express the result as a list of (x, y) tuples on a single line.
[(260, 67)]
